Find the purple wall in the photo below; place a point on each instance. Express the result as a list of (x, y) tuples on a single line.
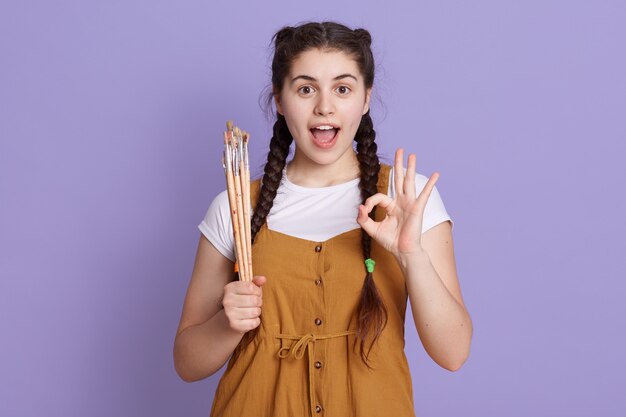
[(110, 122)]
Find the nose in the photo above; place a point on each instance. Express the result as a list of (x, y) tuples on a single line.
[(324, 105)]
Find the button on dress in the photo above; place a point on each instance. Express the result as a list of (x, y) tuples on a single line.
[(302, 361)]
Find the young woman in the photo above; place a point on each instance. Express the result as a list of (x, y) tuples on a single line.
[(340, 242)]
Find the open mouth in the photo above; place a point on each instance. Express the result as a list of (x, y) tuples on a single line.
[(324, 136)]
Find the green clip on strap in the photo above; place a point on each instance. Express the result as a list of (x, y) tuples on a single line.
[(369, 264)]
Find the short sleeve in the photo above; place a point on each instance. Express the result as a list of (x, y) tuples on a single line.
[(217, 226), (435, 211)]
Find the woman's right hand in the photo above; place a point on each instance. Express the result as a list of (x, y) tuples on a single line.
[(242, 303)]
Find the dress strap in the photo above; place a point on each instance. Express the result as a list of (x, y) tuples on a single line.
[(383, 178), (382, 186)]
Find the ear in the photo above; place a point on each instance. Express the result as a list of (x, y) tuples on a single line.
[(279, 106), (368, 96)]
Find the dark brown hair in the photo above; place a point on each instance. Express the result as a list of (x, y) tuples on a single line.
[(289, 43)]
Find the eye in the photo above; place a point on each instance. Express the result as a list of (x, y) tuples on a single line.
[(305, 89), (343, 89)]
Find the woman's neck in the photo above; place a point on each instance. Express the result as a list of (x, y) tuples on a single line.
[(307, 173)]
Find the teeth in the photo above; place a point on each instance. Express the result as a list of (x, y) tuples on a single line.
[(325, 127)]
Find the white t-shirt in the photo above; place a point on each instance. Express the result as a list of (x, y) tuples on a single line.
[(315, 214)]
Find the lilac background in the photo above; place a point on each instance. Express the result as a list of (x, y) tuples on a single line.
[(110, 120)]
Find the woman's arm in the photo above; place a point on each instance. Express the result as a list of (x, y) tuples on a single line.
[(204, 339), (441, 318), (427, 262)]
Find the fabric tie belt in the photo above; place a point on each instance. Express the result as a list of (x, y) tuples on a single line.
[(297, 350)]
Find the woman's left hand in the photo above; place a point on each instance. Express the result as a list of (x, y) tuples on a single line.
[(400, 231)]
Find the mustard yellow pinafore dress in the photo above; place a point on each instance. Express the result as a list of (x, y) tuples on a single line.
[(302, 362)]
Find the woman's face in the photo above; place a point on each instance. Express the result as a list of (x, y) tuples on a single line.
[(323, 100)]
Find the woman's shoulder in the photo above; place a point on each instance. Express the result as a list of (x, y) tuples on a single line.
[(216, 225), (220, 201)]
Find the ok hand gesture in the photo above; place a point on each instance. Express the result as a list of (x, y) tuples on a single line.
[(400, 231)]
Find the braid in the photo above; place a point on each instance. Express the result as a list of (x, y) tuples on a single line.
[(276, 159), (371, 311)]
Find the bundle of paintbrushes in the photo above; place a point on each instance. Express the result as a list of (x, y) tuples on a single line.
[(237, 171)]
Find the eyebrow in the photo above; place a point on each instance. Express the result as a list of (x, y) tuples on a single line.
[(309, 78)]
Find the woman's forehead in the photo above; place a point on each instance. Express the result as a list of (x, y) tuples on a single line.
[(324, 65)]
